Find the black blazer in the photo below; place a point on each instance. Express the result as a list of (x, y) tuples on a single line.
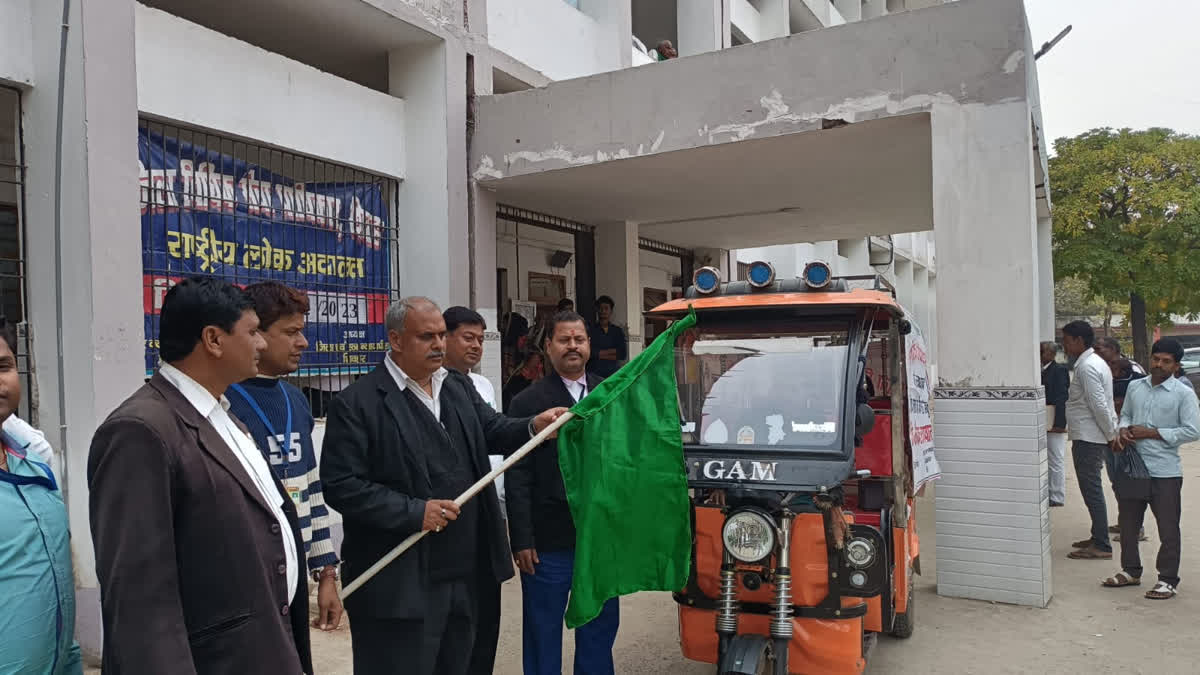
[(373, 471), (538, 514), (192, 576), (1057, 382)]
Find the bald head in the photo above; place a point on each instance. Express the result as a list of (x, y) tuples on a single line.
[(400, 309), (417, 335)]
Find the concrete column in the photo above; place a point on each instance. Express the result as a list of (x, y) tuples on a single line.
[(431, 78), (482, 232), (616, 22), (775, 18), (993, 528), (101, 262), (920, 297), (857, 255), (903, 279), (618, 275), (711, 257), (1045, 257), (703, 26)]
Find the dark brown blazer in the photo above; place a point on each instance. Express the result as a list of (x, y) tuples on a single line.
[(192, 574)]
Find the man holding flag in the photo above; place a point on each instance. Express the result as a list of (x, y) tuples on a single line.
[(539, 519), (400, 444)]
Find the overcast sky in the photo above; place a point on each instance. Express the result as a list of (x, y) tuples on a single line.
[(1126, 63)]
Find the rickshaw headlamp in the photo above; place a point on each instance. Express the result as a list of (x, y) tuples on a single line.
[(749, 536), (860, 553)]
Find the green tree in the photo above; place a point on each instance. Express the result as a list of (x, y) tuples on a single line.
[(1127, 221)]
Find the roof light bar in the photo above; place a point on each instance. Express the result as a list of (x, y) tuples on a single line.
[(707, 279), (817, 275)]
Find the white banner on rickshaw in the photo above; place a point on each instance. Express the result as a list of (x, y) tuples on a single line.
[(920, 425)]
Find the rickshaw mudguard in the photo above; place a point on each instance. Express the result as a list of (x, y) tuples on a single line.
[(809, 560), (818, 646)]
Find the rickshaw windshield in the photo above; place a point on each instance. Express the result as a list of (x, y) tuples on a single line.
[(777, 385)]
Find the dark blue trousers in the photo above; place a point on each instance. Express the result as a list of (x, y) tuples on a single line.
[(544, 600)]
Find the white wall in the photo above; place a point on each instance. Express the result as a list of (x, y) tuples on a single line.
[(550, 36), (263, 96), (536, 245), (16, 47), (656, 270)]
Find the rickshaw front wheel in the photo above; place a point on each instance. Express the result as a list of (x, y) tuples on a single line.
[(747, 654)]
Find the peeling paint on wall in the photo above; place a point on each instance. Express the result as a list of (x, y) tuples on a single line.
[(1013, 61), (777, 112), (850, 110)]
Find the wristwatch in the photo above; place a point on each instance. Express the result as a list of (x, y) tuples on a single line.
[(327, 571)]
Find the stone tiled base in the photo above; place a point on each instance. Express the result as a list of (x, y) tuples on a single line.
[(993, 523)]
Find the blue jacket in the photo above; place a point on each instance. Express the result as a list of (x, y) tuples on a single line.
[(37, 626)]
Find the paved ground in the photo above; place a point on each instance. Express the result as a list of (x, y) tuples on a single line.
[(1085, 629)]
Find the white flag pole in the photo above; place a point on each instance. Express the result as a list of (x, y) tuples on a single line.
[(460, 500)]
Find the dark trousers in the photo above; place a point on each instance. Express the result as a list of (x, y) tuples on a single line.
[(1165, 502), (544, 597), (487, 636), (1089, 459), (438, 644)]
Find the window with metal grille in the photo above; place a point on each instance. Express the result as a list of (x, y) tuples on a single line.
[(212, 205), (12, 243)]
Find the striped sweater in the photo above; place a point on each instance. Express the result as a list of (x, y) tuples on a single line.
[(263, 404)]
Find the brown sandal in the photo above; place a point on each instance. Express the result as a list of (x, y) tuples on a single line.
[(1090, 553), (1120, 579), (1082, 543)]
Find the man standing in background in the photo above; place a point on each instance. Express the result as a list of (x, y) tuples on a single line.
[(279, 419), (1057, 382), (1091, 426), (464, 348), (1160, 415), (609, 349)]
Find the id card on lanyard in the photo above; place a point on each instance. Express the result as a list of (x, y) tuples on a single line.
[(285, 448)]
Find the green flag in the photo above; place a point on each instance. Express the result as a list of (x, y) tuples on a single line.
[(623, 468)]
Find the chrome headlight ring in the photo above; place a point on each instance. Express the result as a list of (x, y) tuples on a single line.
[(749, 535)]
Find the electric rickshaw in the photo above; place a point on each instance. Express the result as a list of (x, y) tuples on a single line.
[(793, 403)]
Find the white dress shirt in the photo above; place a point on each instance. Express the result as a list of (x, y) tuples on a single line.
[(1091, 415), (403, 381), (576, 388), (484, 386), (247, 452)]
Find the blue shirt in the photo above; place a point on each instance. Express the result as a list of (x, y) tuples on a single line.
[(1171, 409), (37, 626)]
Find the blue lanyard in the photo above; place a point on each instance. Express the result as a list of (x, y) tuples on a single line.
[(285, 449)]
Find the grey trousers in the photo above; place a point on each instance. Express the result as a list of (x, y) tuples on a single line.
[(1089, 459)]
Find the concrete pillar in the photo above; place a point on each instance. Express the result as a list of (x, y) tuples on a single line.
[(103, 362), (857, 255), (993, 528), (1045, 256), (711, 257), (431, 78), (616, 23), (920, 297), (703, 26), (903, 279), (618, 275)]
